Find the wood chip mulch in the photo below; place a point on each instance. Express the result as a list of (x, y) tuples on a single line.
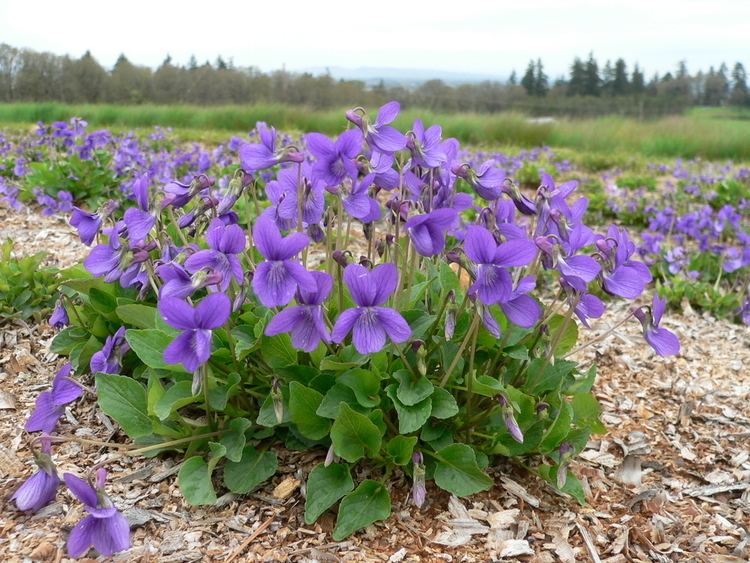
[(669, 482)]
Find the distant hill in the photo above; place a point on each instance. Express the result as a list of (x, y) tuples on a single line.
[(407, 77)]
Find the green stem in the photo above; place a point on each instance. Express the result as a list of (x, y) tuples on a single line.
[(469, 335), (470, 380)]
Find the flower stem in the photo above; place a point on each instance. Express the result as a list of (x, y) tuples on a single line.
[(470, 380), (601, 336), (469, 335)]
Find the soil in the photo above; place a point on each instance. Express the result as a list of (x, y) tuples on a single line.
[(670, 481)]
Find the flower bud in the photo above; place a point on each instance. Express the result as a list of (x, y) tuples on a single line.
[(509, 419), (368, 229), (278, 401), (418, 489), (340, 257), (380, 247), (330, 456), (450, 322), (199, 376), (542, 409), (566, 453)]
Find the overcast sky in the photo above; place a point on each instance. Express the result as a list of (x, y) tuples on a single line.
[(487, 37)]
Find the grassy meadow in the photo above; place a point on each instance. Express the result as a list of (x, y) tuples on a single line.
[(714, 133)]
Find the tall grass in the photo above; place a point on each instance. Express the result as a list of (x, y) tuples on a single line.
[(704, 133)]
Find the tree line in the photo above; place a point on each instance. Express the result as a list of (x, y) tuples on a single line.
[(588, 90), (716, 87)]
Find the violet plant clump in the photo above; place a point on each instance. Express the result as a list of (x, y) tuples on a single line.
[(379, 297)]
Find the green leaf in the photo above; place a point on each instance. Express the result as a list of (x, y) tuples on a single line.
[(67, 339), (567, 338), (586, 411), (353, 433), (149, 345), (234, 440), (401, 448), (137, 315), (348, 358), (364, 383), (102, 301), (325, 486), (368, 503), (443, 404), (195, 483), (303, 404), (219, 392), (177, 396), (457, 471), (542, 376), (253, 468), (517, 352), (410, 418), (154, 391), (217, 452), (411, 392), (244, 340), (487, 386), (82, 353), (124, 399), (277, 351), (559, 428), (333, 399), (582, 383)]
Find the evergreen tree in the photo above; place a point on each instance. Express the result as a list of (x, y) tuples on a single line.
[(637, 81), (592, 81), (739, 95), (541, 84), (620, 85), (529, 79), (513, 80), (577, 82)]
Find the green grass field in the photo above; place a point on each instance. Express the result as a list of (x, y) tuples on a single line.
[(719, 133)]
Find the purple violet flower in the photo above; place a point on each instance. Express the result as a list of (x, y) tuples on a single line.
[(663, 341), (225, 243), (335, 160), (313, 200), (39, 489), (487, 180), (105, 528), (254, 157), (493, 282), (427, 231), (380, 135), (192, 348), (109, 358), (368, 321), (59, 317), (622, 276), (522, 309), (425, 145), (358, 202), (50, 405), (277, 278), (306, 321)]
